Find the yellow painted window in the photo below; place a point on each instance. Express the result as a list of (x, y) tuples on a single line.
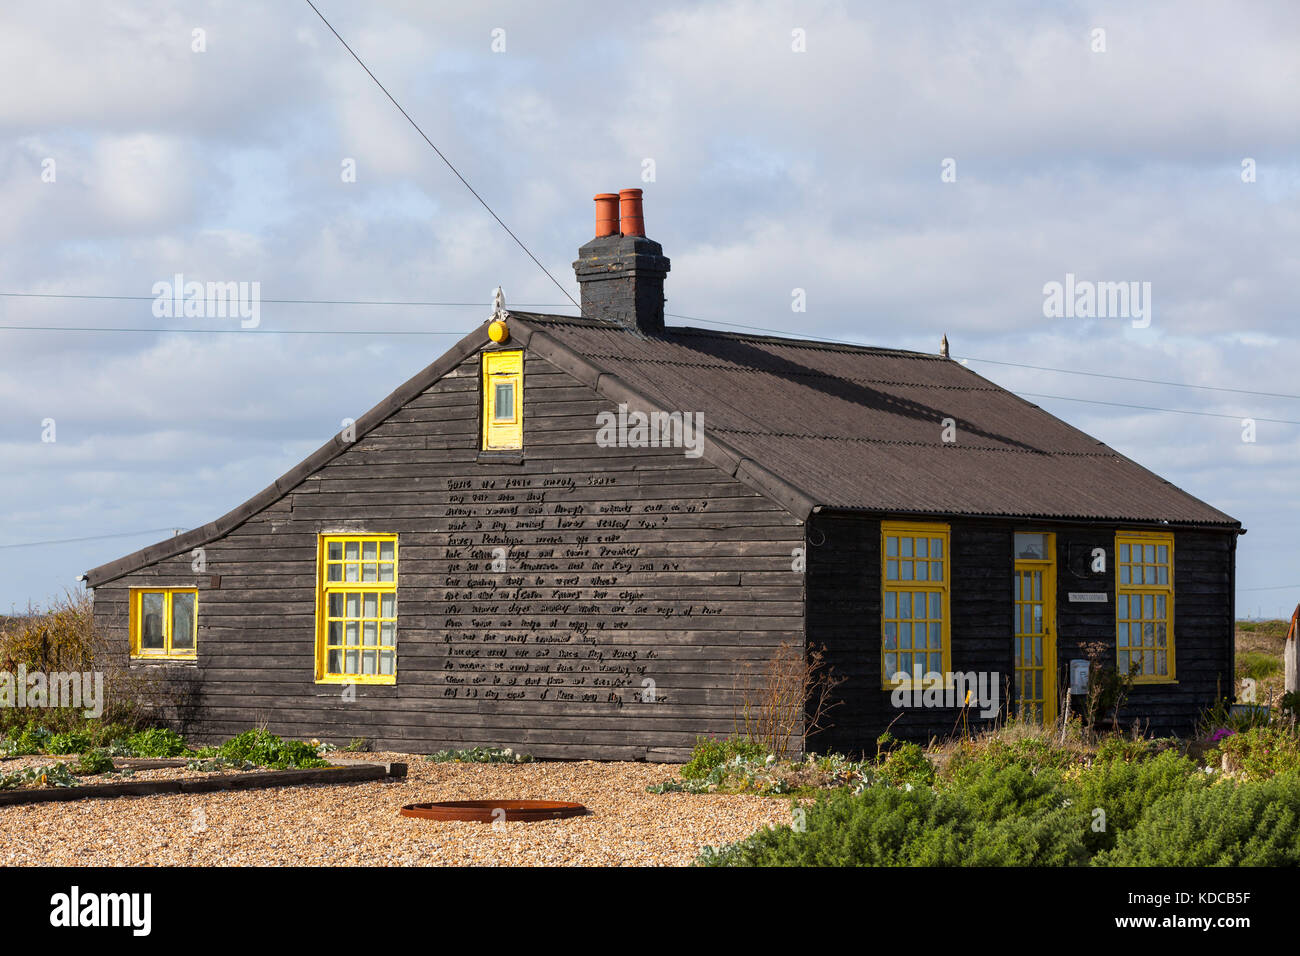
[(914, 614), (503, 400), (164, 623), (356, 609), (1144, 604)]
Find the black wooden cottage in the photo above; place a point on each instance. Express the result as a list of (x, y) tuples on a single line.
[(505, 552)]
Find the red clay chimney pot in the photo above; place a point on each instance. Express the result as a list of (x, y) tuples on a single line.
[(633, 220), (606, 214)]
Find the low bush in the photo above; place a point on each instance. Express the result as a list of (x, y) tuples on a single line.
[(887, 826), (156, 742), (1122, 790), (710, 752), (267, 750), (94, 762), (1231, 824), (1258, 753), (69, 742)]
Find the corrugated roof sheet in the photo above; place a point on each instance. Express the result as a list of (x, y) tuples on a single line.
[(861, 428)]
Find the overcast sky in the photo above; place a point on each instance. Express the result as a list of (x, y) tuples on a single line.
[(1124, 155)]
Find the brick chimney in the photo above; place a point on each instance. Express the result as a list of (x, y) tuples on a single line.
[(621, 272)]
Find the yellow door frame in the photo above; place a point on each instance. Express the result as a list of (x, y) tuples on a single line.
[(1047, 569)]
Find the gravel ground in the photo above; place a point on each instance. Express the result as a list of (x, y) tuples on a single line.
[(358, 824)]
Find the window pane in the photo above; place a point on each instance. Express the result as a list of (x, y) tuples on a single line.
[(370, 633), (183, 622), (334, 572), (354, 605), (1121, 601), (1162, 553), (352, 550), (936, 606), (922, 570), (905, 544), (386, 662), (387, 631), (369, 550), (891, 570), (891, 547), (905, 605), (386, 550), (371, 605), (334, 664), (891, 665), (1123, 574), (385, 572), (336, 605), (350, 572), (151, 621), (891, 635), (891, 604), (368, 573), (936, 547), (503, 404), (336, 632), (352, 633), (936, 635), (335, 550), (388, 605), (905, 570), (1031, 546), (905, 636), (350, 662)]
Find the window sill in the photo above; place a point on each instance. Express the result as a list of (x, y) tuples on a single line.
[(1156, 681), (159, 659), (367, 681), (501, 456)]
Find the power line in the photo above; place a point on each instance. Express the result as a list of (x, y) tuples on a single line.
[(94, 537), (552, 305), (442, 157), (1276, 587), (73, 328), (1152, 408), (1129, 378), (153, 298)]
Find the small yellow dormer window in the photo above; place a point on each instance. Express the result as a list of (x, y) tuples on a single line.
[(503, 400)]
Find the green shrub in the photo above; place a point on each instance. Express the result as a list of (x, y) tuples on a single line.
[(156, 742), (1258, 753), (902, 764), (710, 752), (29, 740), (886, 826), (267, 750), (480, 755), (69, 742), (1123, 789), (94, 762), (1229, 824)]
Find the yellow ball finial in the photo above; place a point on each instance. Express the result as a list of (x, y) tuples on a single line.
[(498, 332)]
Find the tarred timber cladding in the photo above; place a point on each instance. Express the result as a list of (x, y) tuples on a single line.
[(863, 428), (678, 574), (844, 615)]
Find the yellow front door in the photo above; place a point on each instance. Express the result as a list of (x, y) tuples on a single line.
[(1034, 596)]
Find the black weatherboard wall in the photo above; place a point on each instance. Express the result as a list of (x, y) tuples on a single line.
[(624, 566), (844, 613)]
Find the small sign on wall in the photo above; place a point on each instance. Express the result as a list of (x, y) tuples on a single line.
[(1088, 597)]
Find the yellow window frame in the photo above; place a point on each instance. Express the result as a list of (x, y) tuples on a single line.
[(893, 585), (503, 423), (1150, 597), (341, 574), (136, 616)]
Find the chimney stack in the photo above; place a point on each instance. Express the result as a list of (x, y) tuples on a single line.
[(621, 272)]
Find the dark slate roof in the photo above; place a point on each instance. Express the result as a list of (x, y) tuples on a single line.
[(860, 428), (809, 425)]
